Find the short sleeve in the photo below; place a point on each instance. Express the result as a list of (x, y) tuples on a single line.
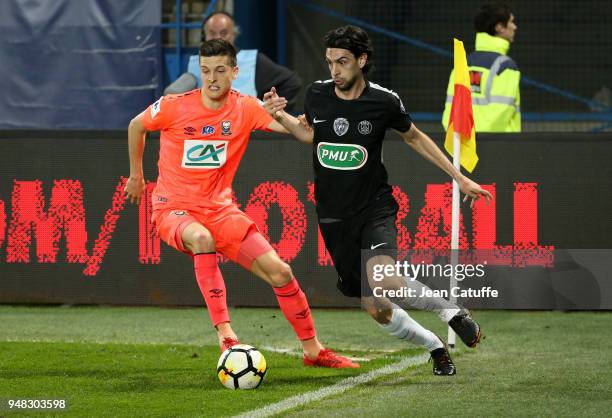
[(157, 116), (260, 119), (399, 119)]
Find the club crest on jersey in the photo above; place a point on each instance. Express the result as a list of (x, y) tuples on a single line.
[(341, 156), (226, 128), (204, 155), (365, 127), (208, 130), (341, 126)]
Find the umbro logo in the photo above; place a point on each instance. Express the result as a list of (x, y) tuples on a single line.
[(216, 293), (315, 120), (302, 315)]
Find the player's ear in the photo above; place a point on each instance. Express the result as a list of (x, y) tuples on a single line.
[(499, 28), (362, 60), (234, 72)]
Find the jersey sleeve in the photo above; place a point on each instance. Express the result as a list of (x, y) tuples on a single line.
[(399, 119), (260, 119), (157, 116)]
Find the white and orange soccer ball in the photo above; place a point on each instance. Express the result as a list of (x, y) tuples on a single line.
[(241, 367)]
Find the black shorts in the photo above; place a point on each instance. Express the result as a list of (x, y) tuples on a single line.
[(373, 228)]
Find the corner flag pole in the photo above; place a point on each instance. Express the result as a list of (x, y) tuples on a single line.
[(455, 228), (461, 125)]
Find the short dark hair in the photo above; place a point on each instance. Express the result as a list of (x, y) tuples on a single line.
[(489, 16), (218, 47), (354, 39)]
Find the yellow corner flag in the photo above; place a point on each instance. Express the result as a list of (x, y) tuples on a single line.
[(461, 119)]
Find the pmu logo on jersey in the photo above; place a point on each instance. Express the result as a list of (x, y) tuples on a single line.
[(341, 156), (204, 154)]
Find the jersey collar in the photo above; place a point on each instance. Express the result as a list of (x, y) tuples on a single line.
[(363, 93)]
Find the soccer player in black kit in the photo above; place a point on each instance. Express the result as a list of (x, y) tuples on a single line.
[(346, 118)]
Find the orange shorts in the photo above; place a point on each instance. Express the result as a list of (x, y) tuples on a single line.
[(228, 225)]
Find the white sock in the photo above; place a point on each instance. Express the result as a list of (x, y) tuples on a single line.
[(444, 308), (448, 314), (405, 328)]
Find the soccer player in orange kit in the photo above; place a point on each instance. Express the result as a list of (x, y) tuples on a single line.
[(204, 134)]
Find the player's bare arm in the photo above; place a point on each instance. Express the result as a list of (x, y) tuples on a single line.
[(283, 121), (424, 145), (136, 143)]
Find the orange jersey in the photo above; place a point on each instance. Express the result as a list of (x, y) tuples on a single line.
[(200, 148)]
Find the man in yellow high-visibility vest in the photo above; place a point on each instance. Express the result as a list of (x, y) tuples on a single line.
[(494, 76)]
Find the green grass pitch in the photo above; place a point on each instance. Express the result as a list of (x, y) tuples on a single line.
[(161, 362)]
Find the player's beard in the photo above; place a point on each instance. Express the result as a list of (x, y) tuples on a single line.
[(348, 84)]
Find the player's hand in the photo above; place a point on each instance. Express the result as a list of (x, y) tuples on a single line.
[(134, 188), (473, 190), (304, 123), (273, 104)]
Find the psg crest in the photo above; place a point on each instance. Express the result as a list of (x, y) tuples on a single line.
[(341, 126), (365, 127)]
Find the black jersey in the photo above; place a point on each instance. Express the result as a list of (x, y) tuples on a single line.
[(347, 148)]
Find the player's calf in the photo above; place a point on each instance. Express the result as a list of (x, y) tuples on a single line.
[(212, 286), (295, 308)]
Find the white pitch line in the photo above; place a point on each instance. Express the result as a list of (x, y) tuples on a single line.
[(341, 386), (288, 351)]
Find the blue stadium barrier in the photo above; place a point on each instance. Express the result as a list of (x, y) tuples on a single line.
[(605, 111), (177, 62)]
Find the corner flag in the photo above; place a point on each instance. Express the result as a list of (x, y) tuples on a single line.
[(461, 119)]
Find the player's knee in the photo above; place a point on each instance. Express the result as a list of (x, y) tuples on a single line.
[(281, 274), (202, 242)]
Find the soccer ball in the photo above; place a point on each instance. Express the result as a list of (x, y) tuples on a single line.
[(241, 367)]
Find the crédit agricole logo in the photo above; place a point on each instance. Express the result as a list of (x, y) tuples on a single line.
[(204, 154)]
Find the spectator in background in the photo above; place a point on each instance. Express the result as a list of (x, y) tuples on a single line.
[(257, 73), (494, 76)]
